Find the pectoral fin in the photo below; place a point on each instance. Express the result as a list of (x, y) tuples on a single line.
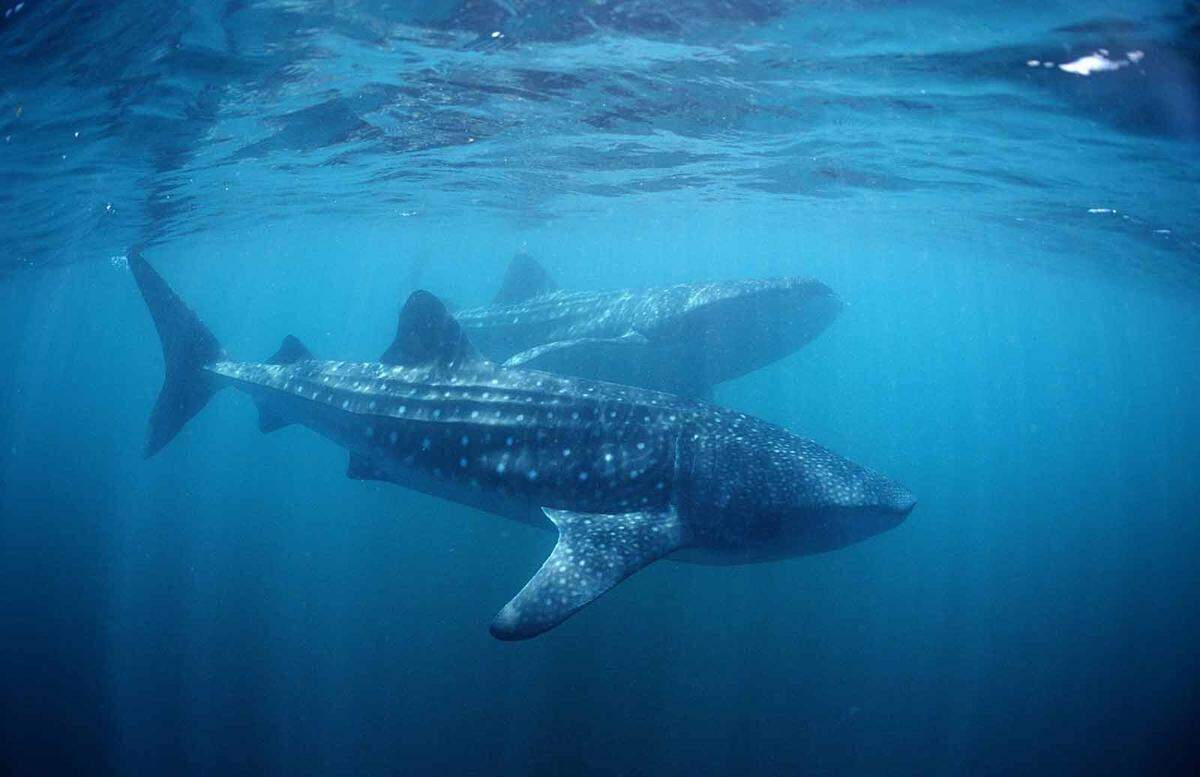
[(630, 359), (594, 553), (582, 356)]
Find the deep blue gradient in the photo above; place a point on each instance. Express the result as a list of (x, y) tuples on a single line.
[(1016, 244)]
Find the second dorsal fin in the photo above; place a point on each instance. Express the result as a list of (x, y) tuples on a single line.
[(524, 280), (428, 335), (290, 351)]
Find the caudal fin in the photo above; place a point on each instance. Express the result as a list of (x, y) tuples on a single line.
[(187, 346)]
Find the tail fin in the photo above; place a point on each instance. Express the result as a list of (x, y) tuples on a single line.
[(187, 346)]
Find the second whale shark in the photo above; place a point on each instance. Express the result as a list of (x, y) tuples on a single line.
[(625, 475), (682, 339)]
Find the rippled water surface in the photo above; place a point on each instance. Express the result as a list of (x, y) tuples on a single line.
[(1069, 124)]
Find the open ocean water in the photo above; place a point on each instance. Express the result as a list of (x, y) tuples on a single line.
[(1005, 195)]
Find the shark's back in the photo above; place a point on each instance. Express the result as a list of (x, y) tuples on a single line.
[(545, 439), (682, 339), (501, 331)]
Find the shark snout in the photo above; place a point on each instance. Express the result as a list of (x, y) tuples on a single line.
[(890, 507), (887, 506), (900, 501)]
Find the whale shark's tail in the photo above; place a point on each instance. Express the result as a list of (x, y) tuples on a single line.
[(187, 346)]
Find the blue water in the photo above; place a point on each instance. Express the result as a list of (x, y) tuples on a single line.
[(1017, 244)]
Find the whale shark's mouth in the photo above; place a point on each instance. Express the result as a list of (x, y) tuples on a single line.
[(837, 527)]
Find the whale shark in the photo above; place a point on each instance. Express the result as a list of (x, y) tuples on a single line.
[(682, 339), (626, 475)]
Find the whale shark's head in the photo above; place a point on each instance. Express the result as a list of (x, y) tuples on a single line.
[(732, 328), (837, 524), (791, 497), (839, 505)]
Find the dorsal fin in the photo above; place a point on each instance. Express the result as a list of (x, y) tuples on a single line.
[(428, 335), (290, 351), (524, 280)]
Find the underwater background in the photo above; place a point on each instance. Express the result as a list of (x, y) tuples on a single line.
[(1006, 195)]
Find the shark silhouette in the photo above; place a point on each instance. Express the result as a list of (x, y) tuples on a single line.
[(682, 339), (626, 475)]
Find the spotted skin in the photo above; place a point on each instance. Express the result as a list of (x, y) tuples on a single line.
[(539, 440), (529, 445), (626, 475), (593, 553)]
